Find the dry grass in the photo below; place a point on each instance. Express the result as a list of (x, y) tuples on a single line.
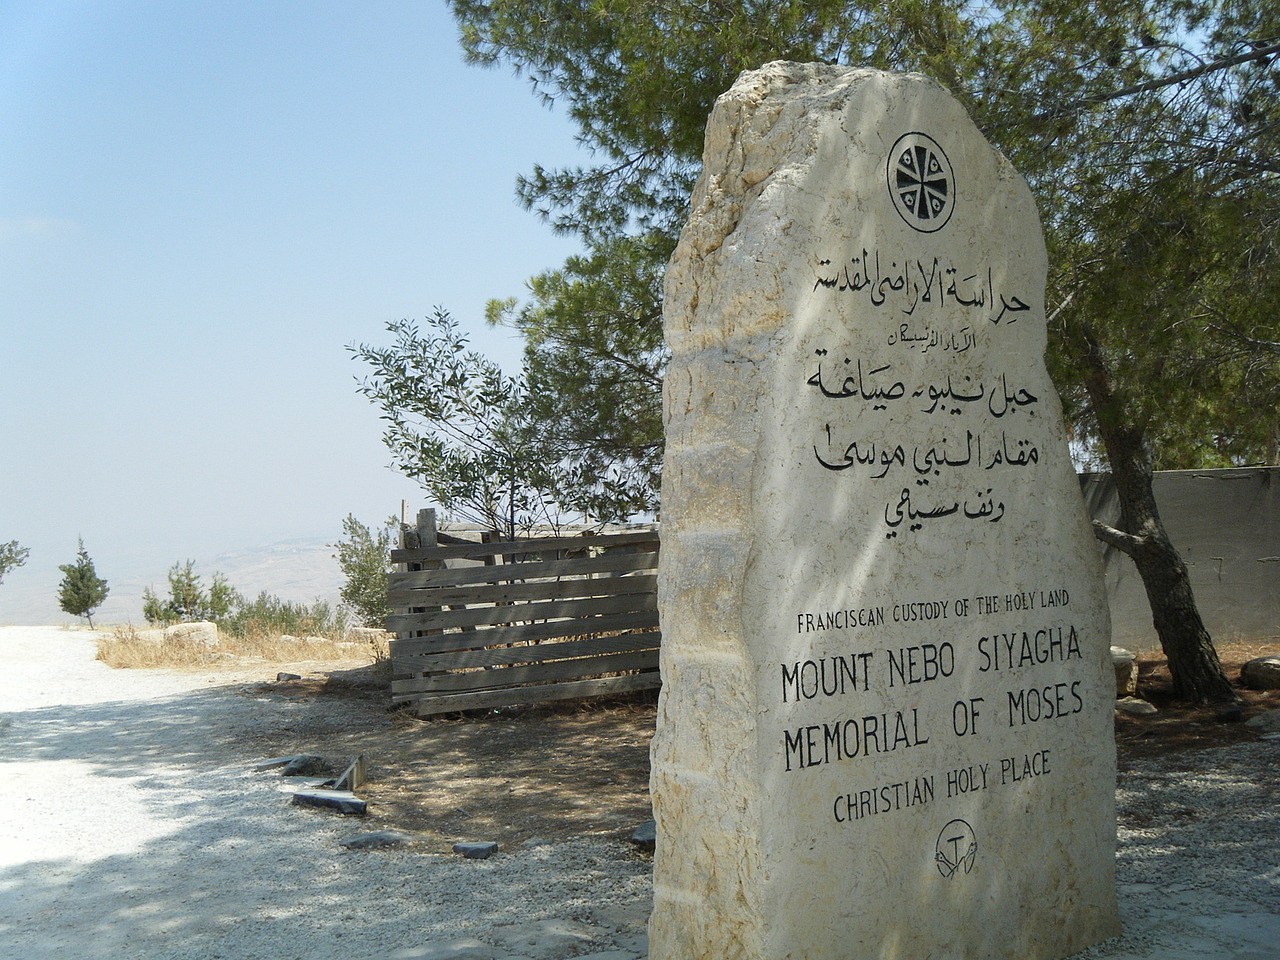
[(128, 648)]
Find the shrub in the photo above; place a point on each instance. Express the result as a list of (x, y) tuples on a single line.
[(364, 557), (268, 615)]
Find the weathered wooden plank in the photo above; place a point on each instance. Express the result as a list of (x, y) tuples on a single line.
[(431, 706), (536, 653), (457, 551), (563, 588), (522, 612), (529, 632), (510, 676), (530, 570)]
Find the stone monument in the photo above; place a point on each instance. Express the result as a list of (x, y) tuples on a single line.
[(885, 724)]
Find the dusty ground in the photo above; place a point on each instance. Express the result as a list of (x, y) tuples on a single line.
[(1176, 727), (552, 772), (583, 768), (132, 794)]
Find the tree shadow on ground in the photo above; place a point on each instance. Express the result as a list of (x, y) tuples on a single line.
[(156, 837)]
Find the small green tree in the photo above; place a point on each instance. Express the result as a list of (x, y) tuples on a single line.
[(12, 556), (186, 594), (364, 557), (188, 600), (82, 590), (455, 423)]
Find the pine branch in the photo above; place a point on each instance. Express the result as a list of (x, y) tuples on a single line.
[(1258, 53), (1124, 542)]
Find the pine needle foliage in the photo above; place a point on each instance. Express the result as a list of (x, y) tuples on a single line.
[(81, 591), (12, 556)]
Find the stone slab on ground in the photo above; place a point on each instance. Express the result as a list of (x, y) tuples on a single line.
[(377, 840), (546, 939), (344, 801), (274, 763), (476, 850), (465, 948)]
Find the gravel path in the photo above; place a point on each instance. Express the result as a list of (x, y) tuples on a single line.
[(134, 827)]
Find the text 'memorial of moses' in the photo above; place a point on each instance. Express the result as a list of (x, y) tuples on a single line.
[(885, 723)]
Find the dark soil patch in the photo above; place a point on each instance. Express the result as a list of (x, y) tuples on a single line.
[(549, 772), (1178, 727)]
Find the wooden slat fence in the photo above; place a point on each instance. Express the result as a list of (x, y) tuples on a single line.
[(523, 621)]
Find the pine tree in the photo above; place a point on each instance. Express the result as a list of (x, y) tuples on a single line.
[(82, 590), (189, 601), (1147, 132), (12, 556)]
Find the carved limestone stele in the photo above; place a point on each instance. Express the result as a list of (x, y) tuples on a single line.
[(885, 723)]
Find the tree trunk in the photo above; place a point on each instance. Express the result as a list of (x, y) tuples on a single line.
[(1193, 662)]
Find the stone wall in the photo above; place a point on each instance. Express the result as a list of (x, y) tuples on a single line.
[(1226, 524)]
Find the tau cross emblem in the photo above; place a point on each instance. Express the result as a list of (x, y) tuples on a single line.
[(957, 847), (921, 182)]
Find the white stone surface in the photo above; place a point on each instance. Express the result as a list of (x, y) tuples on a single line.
[(1262, 673), (1126, 667), (885, 723), (197, 633)]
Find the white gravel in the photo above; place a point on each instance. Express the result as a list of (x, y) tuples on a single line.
[(134, 827)]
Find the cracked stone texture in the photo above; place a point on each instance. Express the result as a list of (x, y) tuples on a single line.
[(858, 418)]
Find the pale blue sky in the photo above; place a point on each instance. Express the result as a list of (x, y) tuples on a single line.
[(201, 203)]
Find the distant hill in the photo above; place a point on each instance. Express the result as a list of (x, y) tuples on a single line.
[(300, 571)]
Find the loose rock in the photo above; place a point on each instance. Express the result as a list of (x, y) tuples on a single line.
[(1261, 673), (377, 840), (1135, 707), (367, 634), (200, 633), (646, 835), (1126, 666), (476, 851), (307, 765), (1268, 721), (1233, 713)]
